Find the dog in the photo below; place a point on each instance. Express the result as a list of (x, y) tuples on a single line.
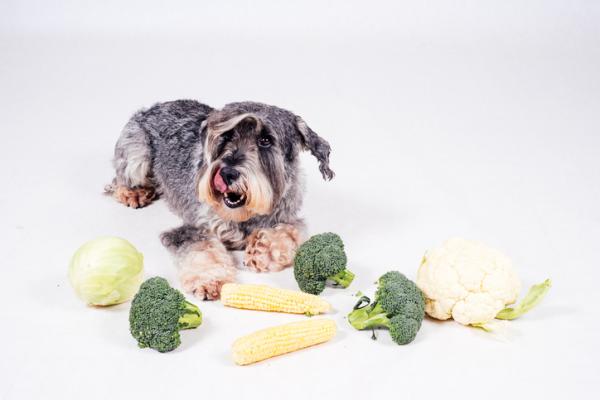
[(231, 174)]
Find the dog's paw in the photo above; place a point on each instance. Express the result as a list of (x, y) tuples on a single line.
[(134, 197), (204, 268), (272, 249), (202, 287)]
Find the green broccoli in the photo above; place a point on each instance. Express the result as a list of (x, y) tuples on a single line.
[(158, 312), (321, 259), (399, 306)]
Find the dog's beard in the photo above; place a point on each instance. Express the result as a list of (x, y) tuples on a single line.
[(252, 187)]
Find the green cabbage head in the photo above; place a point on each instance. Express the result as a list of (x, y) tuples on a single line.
[(106, 271)]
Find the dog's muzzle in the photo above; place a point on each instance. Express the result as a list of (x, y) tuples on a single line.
[(222, 183)]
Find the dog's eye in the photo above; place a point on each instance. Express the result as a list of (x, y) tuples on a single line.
[(264, 141)]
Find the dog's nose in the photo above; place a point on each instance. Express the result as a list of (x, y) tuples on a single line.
[(229, 175)]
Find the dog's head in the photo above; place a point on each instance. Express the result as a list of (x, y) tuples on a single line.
[(250, 158)]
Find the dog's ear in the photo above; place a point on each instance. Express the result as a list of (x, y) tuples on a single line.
[(220, 127), (318, 147), (217, 126)]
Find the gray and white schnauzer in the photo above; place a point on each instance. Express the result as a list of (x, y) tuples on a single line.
[(232, 175)]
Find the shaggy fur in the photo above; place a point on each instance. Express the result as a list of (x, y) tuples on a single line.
[(175, 150)]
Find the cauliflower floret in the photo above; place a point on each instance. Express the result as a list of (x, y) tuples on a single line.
[(467, 281)]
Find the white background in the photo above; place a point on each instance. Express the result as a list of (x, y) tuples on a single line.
[(474, 119)]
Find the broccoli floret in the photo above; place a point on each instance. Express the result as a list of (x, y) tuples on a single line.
[(403, 330), (399, 306), (158, 312), (391, 276), (319, 260)]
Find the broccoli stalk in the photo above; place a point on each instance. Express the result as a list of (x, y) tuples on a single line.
[(321, 260), (369, 317), (343, 278), (158, 312), (399, 307), (192, 318)]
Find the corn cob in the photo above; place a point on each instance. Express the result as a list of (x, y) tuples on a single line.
[(282, 339), (266, 298)]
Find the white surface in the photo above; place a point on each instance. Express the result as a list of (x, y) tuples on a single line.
[(478, 120)]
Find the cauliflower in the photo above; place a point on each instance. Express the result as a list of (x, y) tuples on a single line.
[(467, 281)]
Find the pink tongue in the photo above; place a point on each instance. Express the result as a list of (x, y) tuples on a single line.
[(219, 183)]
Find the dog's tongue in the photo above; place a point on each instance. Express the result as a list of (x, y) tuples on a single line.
[(219, 183)]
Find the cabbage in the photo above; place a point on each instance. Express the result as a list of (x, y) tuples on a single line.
[(106, 271)]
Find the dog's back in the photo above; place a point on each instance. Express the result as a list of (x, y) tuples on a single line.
[(156, 154)]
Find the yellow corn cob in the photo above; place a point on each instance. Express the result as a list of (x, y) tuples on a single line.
[(282, 339), (266, 298)]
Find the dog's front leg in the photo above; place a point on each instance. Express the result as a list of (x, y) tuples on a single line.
[(204, 264), (204, 267), (272, 249)]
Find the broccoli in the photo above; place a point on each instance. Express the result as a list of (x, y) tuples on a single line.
[(399, 306), (158, 312), (321, 259)]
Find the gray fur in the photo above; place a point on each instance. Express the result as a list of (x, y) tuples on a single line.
[(177, 238), (132, 159), (165, 147)]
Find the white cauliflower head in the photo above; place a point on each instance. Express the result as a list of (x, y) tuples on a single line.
[(467, 281)]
